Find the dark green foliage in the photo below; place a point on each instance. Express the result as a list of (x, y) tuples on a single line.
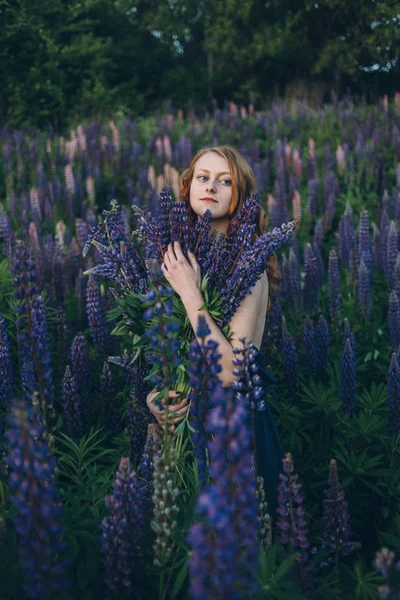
[(60, 61)]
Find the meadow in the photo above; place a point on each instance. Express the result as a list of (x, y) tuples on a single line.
[(90, 504)]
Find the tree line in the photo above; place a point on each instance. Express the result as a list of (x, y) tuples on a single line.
[(62, 60)]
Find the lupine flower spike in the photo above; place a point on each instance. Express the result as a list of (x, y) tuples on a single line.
[(224, 545), (122, 531), (290, 356), (348, 378), (336, 516), (165, 493), (38, 518), (292, 523)]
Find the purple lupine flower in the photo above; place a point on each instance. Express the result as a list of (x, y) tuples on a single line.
[(394, 396), (265, 532), (62, 332), (201, 562), (6, 370), (5, 232), (251, 264), (82, 232), (336, 531), (42, 355), (227, 505), (81, 370), (203, 371), (346, 236), (320, 266), (348, 333), (391, 254), (166, 202), (364, 288), (162, 334), (396, 275), (334, 286), (95, 314), (38, 518), (330, 209), (364, 239), (285, 281), (386, 563), (348, 391), (122, 531), (72, 405), (318, 233), (123, 257), (80, 362), (273, 322), (28, 381), (294, 278), (310, 351), (138, 414), (293, 526), (109, 401), (313, 186), (322, 344), (180, 229), (146, 465), (376, 254), (290, 357), (310, 280), (384, 227), (24, 282), (241, 232), (394, 319)]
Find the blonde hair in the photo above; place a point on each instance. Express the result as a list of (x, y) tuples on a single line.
[(243, 186)]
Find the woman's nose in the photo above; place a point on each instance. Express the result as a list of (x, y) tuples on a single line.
[(211, 186)]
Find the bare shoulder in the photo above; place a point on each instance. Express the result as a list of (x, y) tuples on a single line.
[(251, 311)]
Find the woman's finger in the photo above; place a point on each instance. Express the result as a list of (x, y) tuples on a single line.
[(179, 411), (192, 259), (182, 404), (178, 251), (167, 259), (172, 420), (171, 252)]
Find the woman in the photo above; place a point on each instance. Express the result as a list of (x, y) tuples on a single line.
[(220, 179)]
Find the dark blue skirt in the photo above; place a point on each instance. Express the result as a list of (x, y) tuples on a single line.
[(268, 453)]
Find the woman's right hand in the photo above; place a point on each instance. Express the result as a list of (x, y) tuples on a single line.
[(160, 413)]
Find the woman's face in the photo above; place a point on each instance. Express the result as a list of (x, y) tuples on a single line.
[(211, 189)]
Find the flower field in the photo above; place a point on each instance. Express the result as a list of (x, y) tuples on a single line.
[(96, 501)]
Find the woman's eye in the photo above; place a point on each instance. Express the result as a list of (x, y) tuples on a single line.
[(203, 176), (226, 181)]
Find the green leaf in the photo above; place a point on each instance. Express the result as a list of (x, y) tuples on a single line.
[(180, 580)]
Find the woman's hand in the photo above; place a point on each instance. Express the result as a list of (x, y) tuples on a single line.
[(183, 276), (160, 413)]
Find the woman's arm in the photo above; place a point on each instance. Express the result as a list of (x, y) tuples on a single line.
[(242, 324)]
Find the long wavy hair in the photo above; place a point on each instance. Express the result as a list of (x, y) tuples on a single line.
[(243, 186)]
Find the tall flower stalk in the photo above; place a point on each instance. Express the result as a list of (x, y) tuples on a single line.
[(292, 523), (224, 542), (123, 529), (38, 518)]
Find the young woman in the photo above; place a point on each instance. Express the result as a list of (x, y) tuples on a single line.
[(219, 179)]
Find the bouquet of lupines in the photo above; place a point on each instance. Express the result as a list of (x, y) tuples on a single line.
[(147, 309)]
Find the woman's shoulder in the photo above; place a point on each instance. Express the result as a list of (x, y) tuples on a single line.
[(265, 283)]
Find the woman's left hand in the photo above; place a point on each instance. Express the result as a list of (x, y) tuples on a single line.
[(183, 276)]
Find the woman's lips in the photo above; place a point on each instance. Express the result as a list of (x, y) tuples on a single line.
[(209, 200)]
